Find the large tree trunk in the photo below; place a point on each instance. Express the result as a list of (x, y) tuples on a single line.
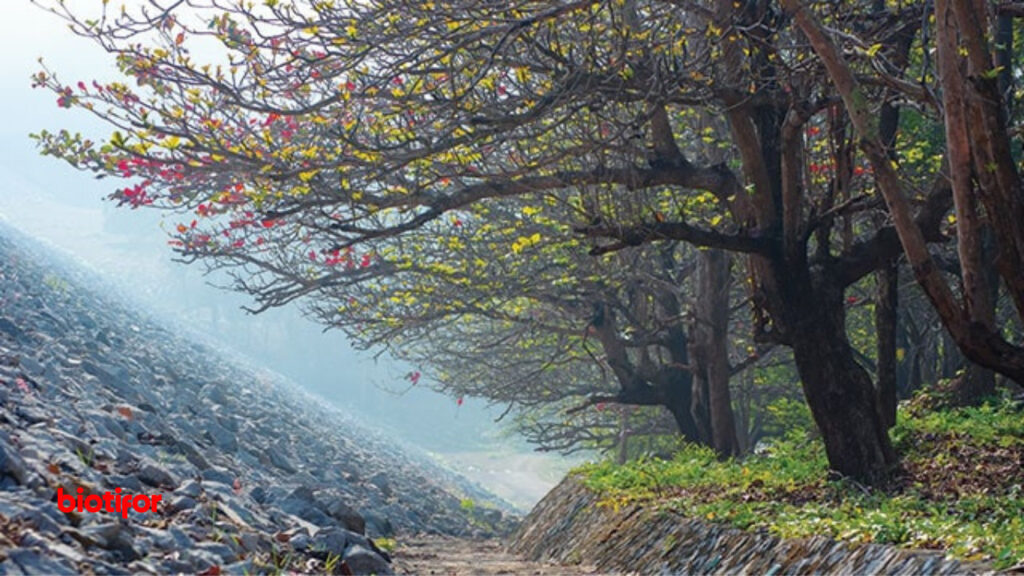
[(677, 398), (886, 316), (979, 382), (840, 392), (712, 320)]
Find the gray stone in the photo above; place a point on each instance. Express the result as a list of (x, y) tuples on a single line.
[(218, 475), (301, 541), (258, 494), (253, 542), (377, 525), (380, 480), (361, 560), (33, 562), (11, 463), (194, 456), (181, 539), (214, 393), (242, 516), (228, 421), (221, 550), (277, 458), (162, 539), (190, 488), (11, 328), (491, 515), (43, 517), (31, 366), (199, 560), (109, 375), (221, 437), (180, 503), (127, 484), (345, 514), (332, 540), (99, 535), (303, 504), (243, 567), (156, 475)]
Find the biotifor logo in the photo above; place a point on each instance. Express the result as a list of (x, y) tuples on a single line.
[(109, 502)]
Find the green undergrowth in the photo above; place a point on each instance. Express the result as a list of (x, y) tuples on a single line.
[(960, 489)]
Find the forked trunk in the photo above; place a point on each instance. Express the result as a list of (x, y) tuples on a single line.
[(841, 396)]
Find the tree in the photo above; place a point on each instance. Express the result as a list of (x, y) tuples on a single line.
[(511, 309), (336, 133), (987, 188)]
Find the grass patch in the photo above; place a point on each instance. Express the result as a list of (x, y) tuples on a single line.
[(960, 491)]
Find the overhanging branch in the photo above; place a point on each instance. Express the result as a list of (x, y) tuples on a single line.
[(626, 236)]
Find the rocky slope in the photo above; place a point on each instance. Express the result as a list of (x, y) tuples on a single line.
[(254, 474)]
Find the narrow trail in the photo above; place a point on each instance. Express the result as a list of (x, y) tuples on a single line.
[(442, 556)]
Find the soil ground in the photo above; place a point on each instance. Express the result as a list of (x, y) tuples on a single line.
[(442, 556)]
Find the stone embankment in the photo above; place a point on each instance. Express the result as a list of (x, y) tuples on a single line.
[(253, 474), (570, 526)]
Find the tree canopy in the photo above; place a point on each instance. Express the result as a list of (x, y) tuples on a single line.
[(430, 175)]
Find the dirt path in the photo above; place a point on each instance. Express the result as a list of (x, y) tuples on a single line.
[(424, 555)]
